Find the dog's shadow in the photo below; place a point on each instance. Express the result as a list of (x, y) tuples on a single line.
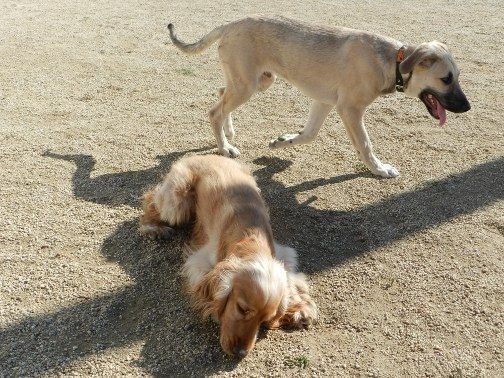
[(114, 189), (326, 238), (154, 312), (159, 311)]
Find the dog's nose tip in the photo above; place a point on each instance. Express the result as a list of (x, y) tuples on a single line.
[(239, 352), (461, 107), (464, 108)]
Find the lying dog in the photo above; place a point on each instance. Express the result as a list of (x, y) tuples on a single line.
[(235, 272), (336, 67)]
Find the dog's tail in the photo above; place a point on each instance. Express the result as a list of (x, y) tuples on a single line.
[(201, 45)]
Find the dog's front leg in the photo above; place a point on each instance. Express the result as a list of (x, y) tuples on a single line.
[(353, 119), (301, 311), (318, 113)]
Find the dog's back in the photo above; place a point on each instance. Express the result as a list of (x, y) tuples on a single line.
[(216, 192)]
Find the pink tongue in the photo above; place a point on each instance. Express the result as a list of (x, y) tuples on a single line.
[(441, 113)]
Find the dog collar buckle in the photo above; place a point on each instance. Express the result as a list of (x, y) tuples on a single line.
[(399, 82)]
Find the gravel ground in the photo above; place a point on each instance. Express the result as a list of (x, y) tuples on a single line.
[(95, 105)]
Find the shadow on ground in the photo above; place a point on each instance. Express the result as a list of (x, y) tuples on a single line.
[(155, 312), (114, 189), (326, 238)]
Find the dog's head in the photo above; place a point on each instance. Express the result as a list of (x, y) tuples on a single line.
[(242, 294), (434, 79)]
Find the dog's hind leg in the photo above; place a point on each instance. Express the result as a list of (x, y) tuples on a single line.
[(318, 113), (238, 90), (150, 221), (264, 82), (171, 203), (353, 119), (229, 131)]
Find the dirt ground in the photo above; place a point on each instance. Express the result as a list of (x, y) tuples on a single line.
[(95, 104)]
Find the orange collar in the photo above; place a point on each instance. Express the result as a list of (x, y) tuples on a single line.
[(400, 54), (399, 81)]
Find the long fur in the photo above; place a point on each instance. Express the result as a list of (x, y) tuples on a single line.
[(233, 261)]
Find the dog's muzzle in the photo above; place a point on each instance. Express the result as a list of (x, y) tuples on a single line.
[(455, 101), (437, 103)]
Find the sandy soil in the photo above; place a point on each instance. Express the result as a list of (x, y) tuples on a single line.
[(95, 104)]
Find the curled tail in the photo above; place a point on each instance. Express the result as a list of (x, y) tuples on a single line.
[(197, 47)]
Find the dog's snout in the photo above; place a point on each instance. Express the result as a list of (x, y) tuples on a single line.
[(455, 101), (466, 107), (239, 351), (460, 106)]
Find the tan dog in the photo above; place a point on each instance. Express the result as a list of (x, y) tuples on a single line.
[(235, 272), (337, 67)]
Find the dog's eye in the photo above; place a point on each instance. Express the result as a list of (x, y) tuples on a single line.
[(241, 310), (448, 79)]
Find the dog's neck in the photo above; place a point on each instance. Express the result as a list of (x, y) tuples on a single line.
[(249, 243), (408, 50), (390, 67)]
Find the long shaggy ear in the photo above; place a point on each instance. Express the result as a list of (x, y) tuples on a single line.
[(423, 55), (211, 293)]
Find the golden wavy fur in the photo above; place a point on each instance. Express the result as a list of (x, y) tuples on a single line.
[(235, 271)]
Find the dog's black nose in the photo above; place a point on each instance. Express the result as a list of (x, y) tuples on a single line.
[(458, 101), (239, 352), (455, 102), (460, 107)]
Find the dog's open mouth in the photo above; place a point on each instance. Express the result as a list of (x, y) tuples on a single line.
[(434, 107)]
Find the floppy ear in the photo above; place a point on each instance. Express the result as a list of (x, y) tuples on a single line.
[(211, 293), (421, 55), (279, 318)]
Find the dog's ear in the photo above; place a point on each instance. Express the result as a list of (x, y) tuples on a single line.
[(211, 293), (422, 55), (279, 318)]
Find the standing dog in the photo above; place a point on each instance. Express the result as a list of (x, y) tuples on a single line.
[(336, 67), (235, 272)]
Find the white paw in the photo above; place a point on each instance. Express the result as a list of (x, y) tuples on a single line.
[(283, 141), (307, 315), (386, 170), (229, 151)]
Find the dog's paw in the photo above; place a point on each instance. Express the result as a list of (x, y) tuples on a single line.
[(306, 319), (306, 315), (283, 141), (229, 151), (156, 232), (386, 170)]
